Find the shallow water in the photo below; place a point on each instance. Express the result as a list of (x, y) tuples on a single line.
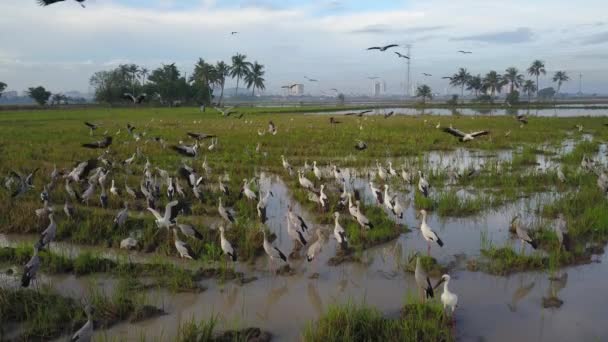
[(490, 308), (559, 111)]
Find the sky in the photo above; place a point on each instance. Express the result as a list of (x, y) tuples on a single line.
[(62, 45)]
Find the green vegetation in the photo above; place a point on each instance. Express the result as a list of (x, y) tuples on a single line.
[(205, 331), (44, 314), (351, 322)]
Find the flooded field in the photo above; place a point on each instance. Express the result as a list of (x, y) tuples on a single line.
[(476, 193), (558, 111)]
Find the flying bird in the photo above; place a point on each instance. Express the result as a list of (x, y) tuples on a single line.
[(464, 137), (402, 56), (137, 100), (465, 52), (200, 136), (427, 75), (107, 141), (382, 48), (50, 2), (233, 33), (447, 78)]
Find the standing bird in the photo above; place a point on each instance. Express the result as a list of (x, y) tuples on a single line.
[(48, 235), (183, 249), (428, 234), (377, 193), (339, 232), (31, 268), (361, 145), (86, 332), (286, 164), (225, 213), (68, 209), (272, 251), (362, 219), (423, 184), (316, 170), (305, 182), (382, 48), (245, 190), (295, 235), (316, 247), (261, 206), (422, 280), (92, 126), (406, 176), (121, 216), (296, 220), (223, 188), (448, 299), (226, 246), (272, 128), (523, 235)]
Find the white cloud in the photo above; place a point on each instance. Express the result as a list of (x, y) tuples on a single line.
[(290, 41)]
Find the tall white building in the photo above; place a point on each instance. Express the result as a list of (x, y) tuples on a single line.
[(296, 90), (377, 88)]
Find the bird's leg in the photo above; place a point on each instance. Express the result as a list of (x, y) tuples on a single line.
[(428, 248)]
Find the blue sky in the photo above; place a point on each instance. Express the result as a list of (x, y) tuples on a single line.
[(62, 45)]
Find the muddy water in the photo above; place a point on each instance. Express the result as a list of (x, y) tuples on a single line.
[(560, 111), (491, 308)]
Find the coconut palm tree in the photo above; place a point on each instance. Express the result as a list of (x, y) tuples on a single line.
[(425, 92), (239, 69), (143, 73), (493, 82), (529, 88), (536, 69), (475, 84), (460, 79), (222, 70), (560, 77), (514, 78), (254, 78), (204, 74)]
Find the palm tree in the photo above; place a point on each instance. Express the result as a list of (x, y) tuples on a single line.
[(143, 73), (529, 88), (254, 78), (460, 79), (560, 77), (222, 70), (205, 74), (475, 84), (239, 69), (536, 69), (425, 92), (514, 78), (493, 82)]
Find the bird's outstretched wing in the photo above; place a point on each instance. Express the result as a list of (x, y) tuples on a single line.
[(47, 2), (384, 48), (155, 213), (374, 48), (454, 132), (171, 210), (480, 133)]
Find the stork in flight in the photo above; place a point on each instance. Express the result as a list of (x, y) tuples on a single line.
[(402, 56), (50, 2), (382, 48), (137, 100), (465, 52), (464, 137)]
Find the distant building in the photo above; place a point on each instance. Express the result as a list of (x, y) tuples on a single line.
[(377, 89), (296, 90)]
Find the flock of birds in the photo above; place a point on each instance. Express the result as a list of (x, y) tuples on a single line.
[(95, 177)]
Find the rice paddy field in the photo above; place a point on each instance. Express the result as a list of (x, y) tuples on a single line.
[(540, 176)]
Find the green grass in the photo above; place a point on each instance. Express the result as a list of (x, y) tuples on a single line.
[(351, 322), (43, 314)]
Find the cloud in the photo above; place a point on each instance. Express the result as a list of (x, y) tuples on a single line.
[(520, 35), (598, 38), (386, 29)]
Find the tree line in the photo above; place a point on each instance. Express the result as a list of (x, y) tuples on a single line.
[(485, 88), (168, 86)]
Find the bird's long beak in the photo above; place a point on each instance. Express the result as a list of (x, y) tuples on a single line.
[(441, 281)]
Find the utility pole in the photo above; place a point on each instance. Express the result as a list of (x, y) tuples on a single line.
[(409, 54), (580, 84)]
